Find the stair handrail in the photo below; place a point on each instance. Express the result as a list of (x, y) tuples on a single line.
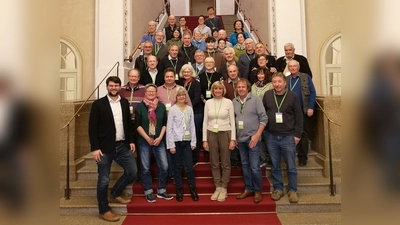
[(67, 125), (252, 29), (329, 148), (137, 47)]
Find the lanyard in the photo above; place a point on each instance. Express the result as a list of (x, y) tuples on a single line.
[(215, 109), (209, 80), (175, 64), (189, 86), (184, 49), (212, 53), (234, 89), (243, 104), (145, 62), (212, 22), (157, 49), (249, 56), (276, 102), (132, 93), (294, 85), (169, 94), (186, 118)]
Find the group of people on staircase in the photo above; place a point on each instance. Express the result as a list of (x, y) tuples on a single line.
[(184, 95)]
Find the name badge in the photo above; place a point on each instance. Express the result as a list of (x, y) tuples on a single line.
[(131, 109), (278, 118), (186, 136), (208, 94), (215, 128), (240, 125), (176, 76), (168, 106)]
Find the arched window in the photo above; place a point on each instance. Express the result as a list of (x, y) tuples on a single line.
[(331, 65), (70, 72)]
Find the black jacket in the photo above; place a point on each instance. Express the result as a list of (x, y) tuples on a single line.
[(304, 67)]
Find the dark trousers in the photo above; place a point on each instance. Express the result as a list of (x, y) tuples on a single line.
[(302, 149), (183, 159)]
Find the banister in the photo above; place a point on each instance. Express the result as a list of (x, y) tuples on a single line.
[(252, 29), (67, 125), (130, 58)]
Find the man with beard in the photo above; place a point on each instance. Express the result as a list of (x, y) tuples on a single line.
[(111, 139)]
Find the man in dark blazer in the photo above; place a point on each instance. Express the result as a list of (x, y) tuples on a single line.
[(282, 62), (111, 138)]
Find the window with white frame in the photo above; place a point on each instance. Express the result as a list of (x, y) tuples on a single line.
[(69, 72), (331, 60)]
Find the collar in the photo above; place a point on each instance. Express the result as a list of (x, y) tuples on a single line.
[(248, 96), (190, 45), (170, 58), (200, 65), (171, 88), (110, 100), (230, 81), (155, 70), (297, 76), (227, 64)]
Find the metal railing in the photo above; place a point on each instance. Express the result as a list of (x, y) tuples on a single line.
[(252, 29), (67, 125), (331, 184), (137, 47)]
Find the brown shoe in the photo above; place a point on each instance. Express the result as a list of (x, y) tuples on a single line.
[(257, 197), (245, 194), (109, 216), (119, 200)]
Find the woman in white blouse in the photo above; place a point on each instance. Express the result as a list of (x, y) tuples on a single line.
[(219, 137)]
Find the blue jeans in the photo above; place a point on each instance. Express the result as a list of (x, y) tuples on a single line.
[(161, 158), (284, 145), (124, 157), (251, 166), (198, 123), (183, 158)]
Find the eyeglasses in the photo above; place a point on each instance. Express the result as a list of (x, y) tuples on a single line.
[(151, 91)]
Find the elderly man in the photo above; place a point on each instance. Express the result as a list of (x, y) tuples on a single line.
[(150, 35), (262, 49), (172, 60), (229, 55), (187, 50), (152, 75), (245, 59), (282, 62), (141, 61), (160, 50), (168, 30), (198, 66), (222, 35), (302, 85)]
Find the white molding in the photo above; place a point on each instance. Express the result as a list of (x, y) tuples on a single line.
[(325, 67), (79, 67)]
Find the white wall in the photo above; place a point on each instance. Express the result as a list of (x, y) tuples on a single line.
[(225, 7), (179, 8), (290, 26)]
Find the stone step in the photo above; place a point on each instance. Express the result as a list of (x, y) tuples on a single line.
[(311, 169), (333, 218), (310, 203), (316, 185)]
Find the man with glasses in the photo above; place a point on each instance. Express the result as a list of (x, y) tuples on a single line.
[(141, 61)]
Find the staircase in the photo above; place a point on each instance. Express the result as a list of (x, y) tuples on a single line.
[(313, 193), (226, 21)]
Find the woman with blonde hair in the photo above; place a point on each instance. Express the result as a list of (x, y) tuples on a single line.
[(219, 137), (181, 141)]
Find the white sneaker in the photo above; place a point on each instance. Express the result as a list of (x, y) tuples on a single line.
[(223, 195), (217, 191)]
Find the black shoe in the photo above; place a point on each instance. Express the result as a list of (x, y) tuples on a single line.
[(150, 198), (303, 163), (165, 196), (179, 195), (206, 153), (193, 193)]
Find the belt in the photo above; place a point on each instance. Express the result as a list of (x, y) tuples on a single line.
[(117, 143)]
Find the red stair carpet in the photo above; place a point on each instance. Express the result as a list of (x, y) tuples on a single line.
[(192, 21), (204, 211)]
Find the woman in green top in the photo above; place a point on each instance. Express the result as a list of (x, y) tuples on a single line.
[(240, 47), (176, 38)]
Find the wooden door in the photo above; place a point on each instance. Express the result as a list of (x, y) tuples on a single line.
[(199, 7)]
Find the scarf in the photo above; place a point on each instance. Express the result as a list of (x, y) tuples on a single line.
[(240, 47), (260, 83), (152, 106), (187, 82)]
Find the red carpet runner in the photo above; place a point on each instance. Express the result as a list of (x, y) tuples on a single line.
[(231, 211)]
